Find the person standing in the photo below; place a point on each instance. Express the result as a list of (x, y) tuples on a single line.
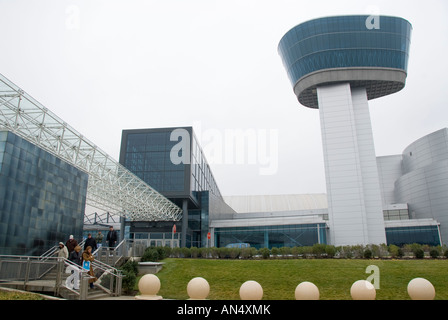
[(112, 237), (71, 244), (63, 252), (88, 256), (99, 239), (90, 242), (76, 258)]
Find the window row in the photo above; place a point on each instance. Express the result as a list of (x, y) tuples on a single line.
[(358, 40), (347, 58), (400, 236), (345, 24)]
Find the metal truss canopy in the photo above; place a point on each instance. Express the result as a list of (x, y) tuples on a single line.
[(111, 186)]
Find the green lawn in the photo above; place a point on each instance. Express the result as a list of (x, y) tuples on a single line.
[(12, 295), (279, 278)]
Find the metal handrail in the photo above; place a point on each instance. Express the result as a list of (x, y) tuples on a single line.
[(49, 252), (52, 251), (23, 272), (120, 244)]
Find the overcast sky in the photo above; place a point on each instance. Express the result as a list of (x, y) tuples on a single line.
[(105, 66)]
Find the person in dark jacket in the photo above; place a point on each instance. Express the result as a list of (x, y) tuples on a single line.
[(75, 257), (112, 237), (90, 242), (71, 244)]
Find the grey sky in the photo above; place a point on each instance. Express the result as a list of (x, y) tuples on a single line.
[(104, 66)]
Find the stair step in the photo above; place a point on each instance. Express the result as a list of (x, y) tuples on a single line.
[(97, 295)]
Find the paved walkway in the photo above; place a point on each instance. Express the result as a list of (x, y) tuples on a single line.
[(118, 298)]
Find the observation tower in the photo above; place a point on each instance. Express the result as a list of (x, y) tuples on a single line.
[(336, 64)]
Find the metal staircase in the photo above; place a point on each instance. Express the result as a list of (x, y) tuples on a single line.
[(48, 274)]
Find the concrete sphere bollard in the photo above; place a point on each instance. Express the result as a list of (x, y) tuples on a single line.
[(198, 289), (306, 291), (363, 290), (149, 286), (251, 290), (421, 289)]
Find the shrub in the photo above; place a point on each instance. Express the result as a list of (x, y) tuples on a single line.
[(194, 252), (414, 247), (248, 253), (419, 253), (265, 253), (205, 252), (358, 251), (129, 281), (295, 251), (367, 254), (394, 251), (163, 252), (318, 249), (275, 252), (175, 252), (382, 250), (223, 252), (129, 271), (234, 253), (150, 254), (330, 250), (214, 251), (434, 253), (130, 266), (306, 251), (186, 252)]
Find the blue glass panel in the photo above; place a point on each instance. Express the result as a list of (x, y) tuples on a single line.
[(43, 199), (336, 42), (271, 236), (399, 236)]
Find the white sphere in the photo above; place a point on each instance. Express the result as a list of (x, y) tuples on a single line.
[(198, 288), (148, 286), (306, 291), (251, 290), (421, 289), (363, 290)]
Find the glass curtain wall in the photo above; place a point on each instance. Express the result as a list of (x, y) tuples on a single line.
[(272, 236)]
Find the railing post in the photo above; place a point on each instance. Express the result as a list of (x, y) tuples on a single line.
[(27, 272), (83, 285), (119, 283), (59, 270)]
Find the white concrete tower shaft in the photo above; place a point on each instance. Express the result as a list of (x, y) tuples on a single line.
[(353, 189)]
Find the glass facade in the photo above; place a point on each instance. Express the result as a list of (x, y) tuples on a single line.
[(345, 41), (201, 175), (397, 214), (272, 236), (171, 161), (419, 234), (148, 156), (42, 198)]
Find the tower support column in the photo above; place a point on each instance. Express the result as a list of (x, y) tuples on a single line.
[(353, 189)]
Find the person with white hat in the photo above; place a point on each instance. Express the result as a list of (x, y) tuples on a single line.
[(71, 244), (63, 252)]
